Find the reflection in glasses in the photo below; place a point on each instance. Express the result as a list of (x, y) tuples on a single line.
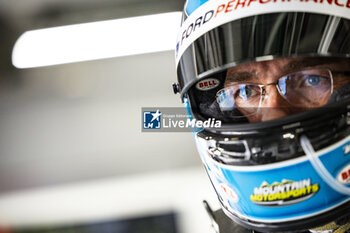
[(305, 89)]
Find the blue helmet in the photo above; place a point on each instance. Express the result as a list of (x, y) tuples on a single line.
[(289, 171)]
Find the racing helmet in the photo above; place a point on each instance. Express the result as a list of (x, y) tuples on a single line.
[(290, 172)]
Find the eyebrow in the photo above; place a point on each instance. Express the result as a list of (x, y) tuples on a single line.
[(292, 66), (240, 76), (297, 65)]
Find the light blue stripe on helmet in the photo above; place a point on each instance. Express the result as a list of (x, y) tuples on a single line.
[(192, 5)]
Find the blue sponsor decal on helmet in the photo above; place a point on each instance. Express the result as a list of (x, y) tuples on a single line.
[(192, 5), (295, 188)]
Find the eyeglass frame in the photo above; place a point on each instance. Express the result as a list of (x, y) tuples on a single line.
[(263, 89)]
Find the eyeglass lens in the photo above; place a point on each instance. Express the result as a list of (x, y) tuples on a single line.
[(306, 89)]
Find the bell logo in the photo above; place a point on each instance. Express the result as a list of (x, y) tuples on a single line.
[(344, 175), (207, 84)]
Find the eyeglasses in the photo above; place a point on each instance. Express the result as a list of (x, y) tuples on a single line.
[(305, 89)]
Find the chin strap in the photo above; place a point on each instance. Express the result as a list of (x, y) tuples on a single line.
[(331, 228), (222, 224), (320, 168), (341, 225)]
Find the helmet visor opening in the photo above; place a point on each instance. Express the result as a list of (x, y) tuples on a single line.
[(263, 37), (268, 90)]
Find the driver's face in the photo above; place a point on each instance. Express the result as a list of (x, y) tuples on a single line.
[(273, 105)]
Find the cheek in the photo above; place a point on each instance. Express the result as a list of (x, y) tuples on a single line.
[(268, 114)]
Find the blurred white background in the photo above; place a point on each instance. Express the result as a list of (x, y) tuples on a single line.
[(71, 147)]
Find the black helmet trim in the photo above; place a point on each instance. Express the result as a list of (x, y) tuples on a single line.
[(340, 212), (272, 151), (337, 208)]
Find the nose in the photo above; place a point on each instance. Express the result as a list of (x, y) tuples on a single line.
[(273, 105)]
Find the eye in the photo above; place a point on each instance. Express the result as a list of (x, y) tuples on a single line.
[(246, 92), (313, 80)]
